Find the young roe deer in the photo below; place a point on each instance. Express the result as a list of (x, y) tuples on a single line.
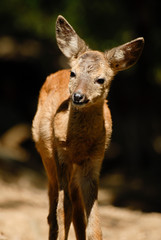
[(72, 129)]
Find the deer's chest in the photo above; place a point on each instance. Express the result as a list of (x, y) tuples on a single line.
[(78, 137)]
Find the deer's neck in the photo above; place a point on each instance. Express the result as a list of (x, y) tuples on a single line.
[(88, 118), (86, 133)]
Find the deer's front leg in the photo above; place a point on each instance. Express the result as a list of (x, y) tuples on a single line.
[(79, 221), (89, 187), (64, 207)]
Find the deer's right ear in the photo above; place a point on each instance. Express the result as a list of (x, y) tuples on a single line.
[(68, 41)]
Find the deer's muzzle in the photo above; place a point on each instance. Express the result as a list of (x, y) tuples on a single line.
[(79, 98)]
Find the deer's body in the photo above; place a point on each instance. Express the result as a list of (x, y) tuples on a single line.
[(72, 129)]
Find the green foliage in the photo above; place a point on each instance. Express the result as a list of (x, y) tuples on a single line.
[(26, 17), (103, 24), (37, 18)]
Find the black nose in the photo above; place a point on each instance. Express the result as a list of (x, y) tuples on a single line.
[(78, 98)]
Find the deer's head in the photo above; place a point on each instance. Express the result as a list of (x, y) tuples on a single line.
[(92, 71)]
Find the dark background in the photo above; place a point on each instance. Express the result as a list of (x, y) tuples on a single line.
[(28, 53)]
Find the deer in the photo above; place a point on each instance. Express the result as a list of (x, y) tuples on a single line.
[(72, 130)]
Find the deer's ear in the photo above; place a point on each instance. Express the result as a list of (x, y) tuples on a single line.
[(126, 55), (68, 41)]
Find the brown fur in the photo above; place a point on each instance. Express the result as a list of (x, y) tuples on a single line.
[(72, 129)]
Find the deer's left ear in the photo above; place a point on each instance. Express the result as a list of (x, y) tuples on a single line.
[(126, 55), (68, 41)]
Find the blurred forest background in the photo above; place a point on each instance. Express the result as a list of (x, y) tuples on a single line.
[(28, 53)]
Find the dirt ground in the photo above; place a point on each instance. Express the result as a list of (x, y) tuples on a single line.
[(24, 207)]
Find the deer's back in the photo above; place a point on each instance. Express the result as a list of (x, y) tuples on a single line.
[(53, 92), (55, 86)]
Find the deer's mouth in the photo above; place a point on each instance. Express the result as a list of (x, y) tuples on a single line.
[(80, 103)]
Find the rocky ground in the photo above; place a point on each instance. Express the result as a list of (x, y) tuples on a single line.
[(24, 207)]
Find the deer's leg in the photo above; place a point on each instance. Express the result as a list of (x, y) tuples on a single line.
[(50, 167), (64, 207), (52, 218), (89, 187), (78, 212)]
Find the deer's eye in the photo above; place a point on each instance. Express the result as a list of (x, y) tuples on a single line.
[(100, 80), (72, 74)]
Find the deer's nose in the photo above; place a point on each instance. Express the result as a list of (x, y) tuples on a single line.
[(78, 98)]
